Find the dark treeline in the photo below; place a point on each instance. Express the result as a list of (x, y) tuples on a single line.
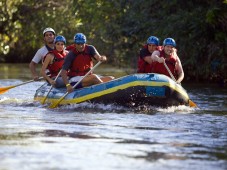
[(118, 29)]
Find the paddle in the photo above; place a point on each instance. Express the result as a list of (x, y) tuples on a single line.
[(5, 89), (51, 88), (54, 105), (191, 103)]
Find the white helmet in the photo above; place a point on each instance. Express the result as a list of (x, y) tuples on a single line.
[(48, 30)]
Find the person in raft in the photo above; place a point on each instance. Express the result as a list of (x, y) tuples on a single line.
[(49, 35), (144, 60), (53, 61), (168, 55), (78, 62)]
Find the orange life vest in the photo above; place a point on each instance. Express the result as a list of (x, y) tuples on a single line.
[(82, 63)]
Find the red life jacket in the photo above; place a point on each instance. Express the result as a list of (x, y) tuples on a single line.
[(143, 66), (161, 69), (58, 61), (82, 63)]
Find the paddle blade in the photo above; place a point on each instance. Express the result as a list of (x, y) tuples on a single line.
[(43, 101), (54, 105), (5, 89), (192, 104)]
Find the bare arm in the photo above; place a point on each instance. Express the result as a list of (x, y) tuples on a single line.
[(155, 57), (32, 67), (66, 81), (180, 71), (64, 76), (98, 57), (47, 61), (148, 59)]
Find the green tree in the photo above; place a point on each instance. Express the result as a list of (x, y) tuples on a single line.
[(119, 29), (24, 21)]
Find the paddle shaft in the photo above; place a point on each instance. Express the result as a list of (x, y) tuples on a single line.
[(51, 87), (5, 89), (191, 103), (58, 102), (26, 82), (170, 73)]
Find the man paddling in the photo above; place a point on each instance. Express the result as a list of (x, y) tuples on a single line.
[(167, 56), (144, 61), (79, 62), (49, 35)]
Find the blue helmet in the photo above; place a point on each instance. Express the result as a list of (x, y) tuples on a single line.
[(60, 38), (169, 41), (153, 40), (80, 38)]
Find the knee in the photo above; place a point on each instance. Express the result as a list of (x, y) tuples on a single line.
[(107, 78), (59, 83), (111, 77), (95, 79)]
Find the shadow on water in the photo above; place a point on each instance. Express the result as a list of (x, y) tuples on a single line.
[(45, 133)]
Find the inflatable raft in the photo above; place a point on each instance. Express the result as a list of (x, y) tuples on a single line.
[(131, 91)]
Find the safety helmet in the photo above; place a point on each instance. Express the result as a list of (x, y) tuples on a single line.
[(153, 40), (80, 38), (169, 41), (48, 30), (60, 38)]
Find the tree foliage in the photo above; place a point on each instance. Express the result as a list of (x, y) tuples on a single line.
[(119, 29)]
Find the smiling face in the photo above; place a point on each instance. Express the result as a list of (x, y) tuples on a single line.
[(59, 46), (169, 49)]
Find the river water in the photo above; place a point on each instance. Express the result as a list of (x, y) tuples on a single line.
[(106, 137)]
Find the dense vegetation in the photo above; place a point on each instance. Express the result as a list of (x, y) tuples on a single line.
[(119, 28)]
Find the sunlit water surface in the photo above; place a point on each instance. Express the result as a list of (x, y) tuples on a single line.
[(103, 137)]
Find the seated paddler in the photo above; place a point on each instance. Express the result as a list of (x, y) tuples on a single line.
[(79, 62), (53, 61)]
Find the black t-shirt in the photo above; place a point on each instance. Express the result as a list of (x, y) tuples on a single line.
[(144, 52), (91, 50)]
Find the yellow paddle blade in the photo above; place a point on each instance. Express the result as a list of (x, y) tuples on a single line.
[(5, 89), (43, 101), (192, 104), (54, 105)]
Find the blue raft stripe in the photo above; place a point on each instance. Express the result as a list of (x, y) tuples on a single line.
[(146, 80), (82, 98)]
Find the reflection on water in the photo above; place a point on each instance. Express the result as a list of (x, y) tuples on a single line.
[(103, 137), (21, 71)]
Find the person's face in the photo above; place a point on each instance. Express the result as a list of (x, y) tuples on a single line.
[(59, 46), (49, 37), (152, 47), (80, 47), (169, 49)]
